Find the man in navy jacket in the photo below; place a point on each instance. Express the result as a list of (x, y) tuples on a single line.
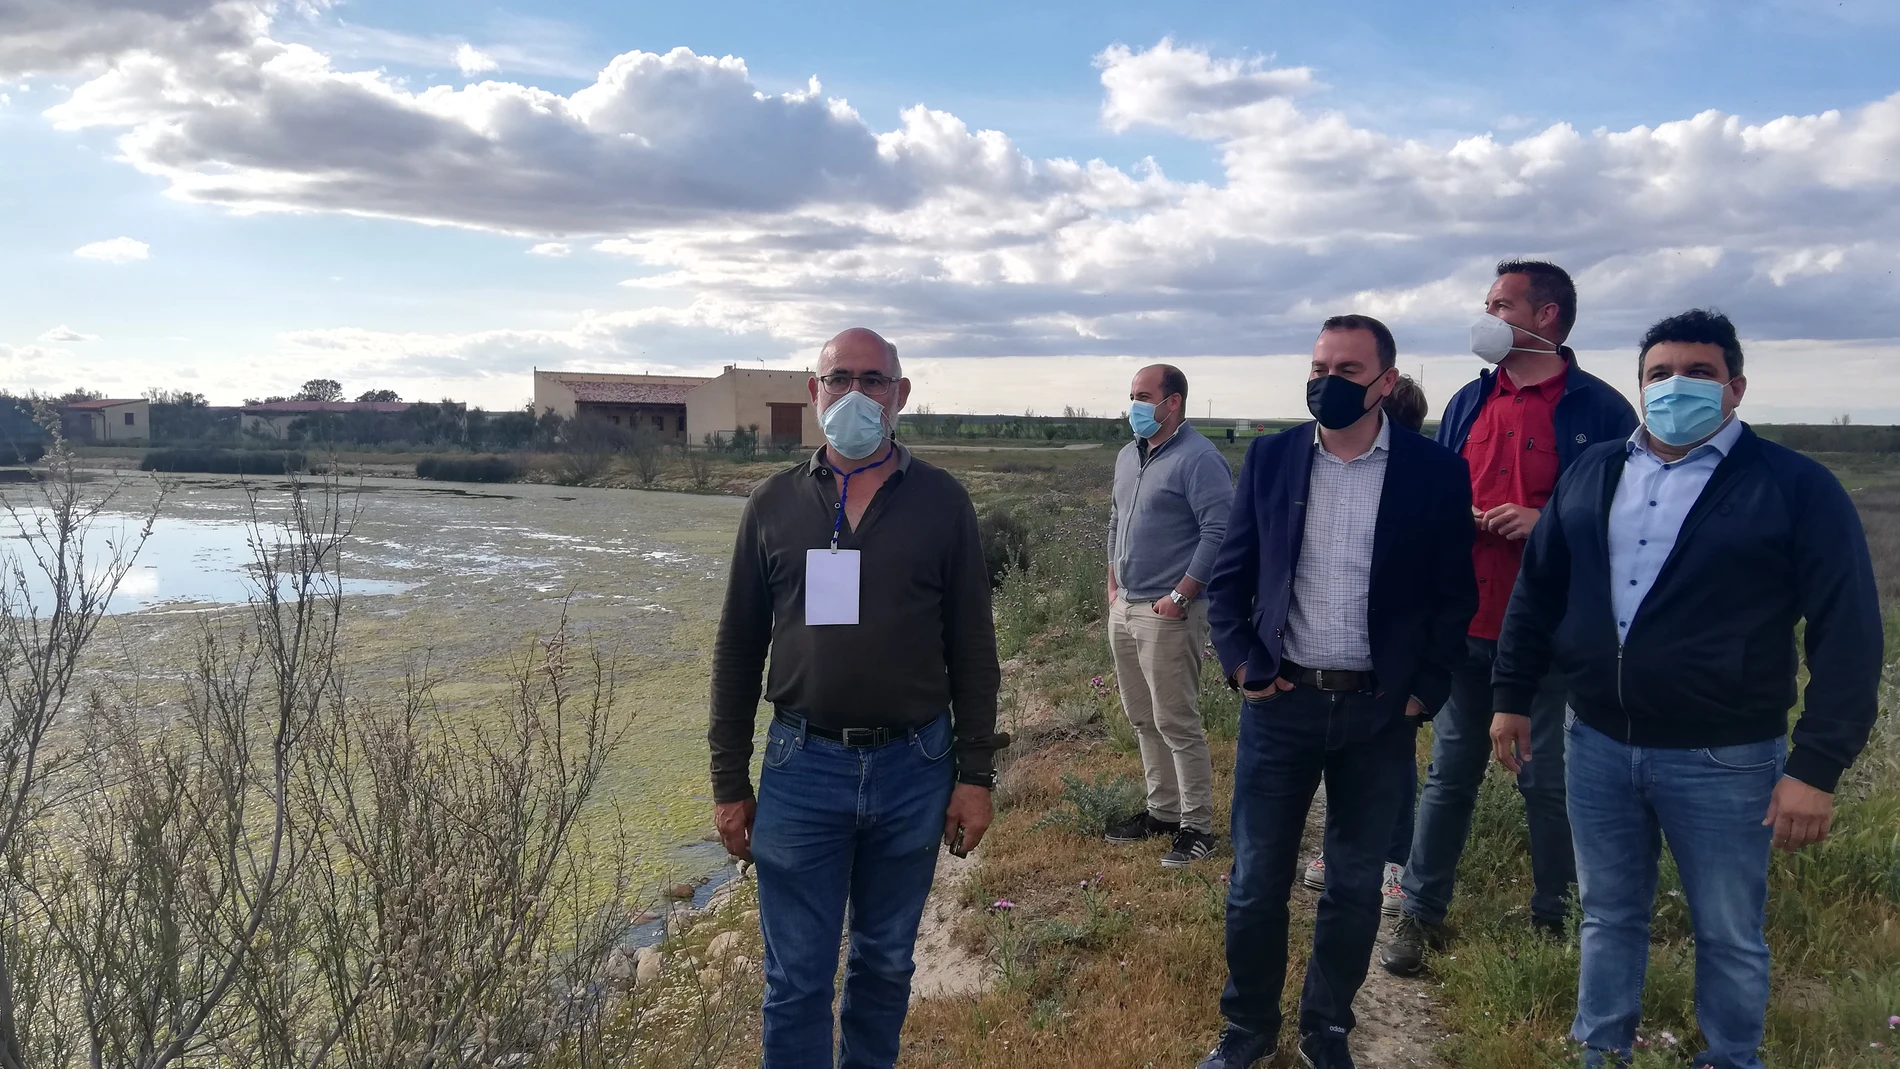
[(1338, 604), (1666, 579), (1518, 428)]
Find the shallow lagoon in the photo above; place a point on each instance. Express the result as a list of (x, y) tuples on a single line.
[(455, 580)]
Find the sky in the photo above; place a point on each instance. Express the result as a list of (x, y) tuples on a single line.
[(1032, 201)]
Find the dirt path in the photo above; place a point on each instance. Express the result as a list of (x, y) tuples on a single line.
[(944, 968), (1397, 1019)]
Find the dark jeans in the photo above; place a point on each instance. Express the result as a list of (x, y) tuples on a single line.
[(1461, 751), (1709, 803), (1286, 745), (839, 824), (1400, 848)]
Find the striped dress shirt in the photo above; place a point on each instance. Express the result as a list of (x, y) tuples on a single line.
[(1326, 620)]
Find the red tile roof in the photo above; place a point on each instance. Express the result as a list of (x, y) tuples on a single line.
[(93, 406), (291, 408), (630, 393)]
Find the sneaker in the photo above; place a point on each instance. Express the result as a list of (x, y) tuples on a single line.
[(1315, 873), (1141, 826), (1190, 845), (1405, 954), (1551, 928), (1238, 1049), (1394, 901), (1326, 1050)]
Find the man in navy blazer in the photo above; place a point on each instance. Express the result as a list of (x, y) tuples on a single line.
[(1338, 604)]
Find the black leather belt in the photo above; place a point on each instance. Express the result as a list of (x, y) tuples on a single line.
[(846, 736), (1329, 679)]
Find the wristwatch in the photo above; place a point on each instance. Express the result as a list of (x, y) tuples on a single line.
[(985, 780), (1177, 597)]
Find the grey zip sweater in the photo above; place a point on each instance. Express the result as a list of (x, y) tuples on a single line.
[(1169, 513)]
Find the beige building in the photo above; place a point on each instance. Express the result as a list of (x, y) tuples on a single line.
[(682, 408), (107, 421), (275, 419)]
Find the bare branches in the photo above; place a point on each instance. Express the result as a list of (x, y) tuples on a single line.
[(285, 870)]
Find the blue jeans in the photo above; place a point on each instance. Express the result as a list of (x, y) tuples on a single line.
[(1287, 744), (1461, 752), (1709, 804), (840, 824)]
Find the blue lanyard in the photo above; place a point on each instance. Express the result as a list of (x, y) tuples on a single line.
[(844, 490)]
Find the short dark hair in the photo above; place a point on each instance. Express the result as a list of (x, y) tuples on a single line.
[(1705, 326), (1172, 381), (1388, 349), (1549, 284), (1406, 403)]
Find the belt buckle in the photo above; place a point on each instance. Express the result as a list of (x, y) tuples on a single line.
[(852, 736), (1326, 677)]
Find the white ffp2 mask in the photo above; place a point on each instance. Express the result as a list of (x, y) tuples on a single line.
[(1491, 339)]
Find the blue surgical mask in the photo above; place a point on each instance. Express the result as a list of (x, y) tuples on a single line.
[(854, 425), (1141, 419), (1681, 410)]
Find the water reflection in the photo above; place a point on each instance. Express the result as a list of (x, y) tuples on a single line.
[(184, 562)]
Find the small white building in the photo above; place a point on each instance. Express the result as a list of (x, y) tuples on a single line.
[(273, 420), (685, 408), (107, 421)]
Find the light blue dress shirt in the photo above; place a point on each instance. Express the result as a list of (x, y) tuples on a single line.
[(1326, 619), (1652, 499)]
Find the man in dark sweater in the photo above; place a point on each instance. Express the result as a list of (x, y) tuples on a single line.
[(861, 571), (1666, 579)]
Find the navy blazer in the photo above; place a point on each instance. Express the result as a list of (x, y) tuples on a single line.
[(1423, 589)]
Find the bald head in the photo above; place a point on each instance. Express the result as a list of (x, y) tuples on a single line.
[(858, 350)]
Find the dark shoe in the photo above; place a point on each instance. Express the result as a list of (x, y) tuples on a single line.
[(1404, 955), (1189, 846), (1326, 1050), (1551, 928), (1238, 1049), (1141, 826)]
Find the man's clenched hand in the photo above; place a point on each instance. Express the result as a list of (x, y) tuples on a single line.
[(734, 821)]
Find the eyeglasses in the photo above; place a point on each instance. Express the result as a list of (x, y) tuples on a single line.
[(874, 385)]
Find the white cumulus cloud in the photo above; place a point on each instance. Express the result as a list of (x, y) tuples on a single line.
[(778, 217), (64, 333), (470, 60), (114, 250)]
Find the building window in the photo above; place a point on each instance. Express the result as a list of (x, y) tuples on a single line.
[(682, 424), (616, 421), (130, 421), (659, 423)]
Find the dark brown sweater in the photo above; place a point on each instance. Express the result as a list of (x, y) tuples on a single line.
[(925, 642)]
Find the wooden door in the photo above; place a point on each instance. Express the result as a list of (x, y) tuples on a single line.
[(788, 424)]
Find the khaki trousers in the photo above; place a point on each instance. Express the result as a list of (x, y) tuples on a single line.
[(1158, 666)]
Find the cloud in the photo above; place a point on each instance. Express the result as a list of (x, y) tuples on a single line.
[(1187, 90), (114, 250), (65, 35), (550, 248), (471, 61), (66, 334), (762, 221)]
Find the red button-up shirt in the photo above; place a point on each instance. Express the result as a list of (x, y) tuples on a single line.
[(1512, 450)]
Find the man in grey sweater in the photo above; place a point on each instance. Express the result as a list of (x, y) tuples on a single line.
[(1172, 492)]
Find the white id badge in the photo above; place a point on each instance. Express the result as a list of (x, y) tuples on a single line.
[(831, 587)]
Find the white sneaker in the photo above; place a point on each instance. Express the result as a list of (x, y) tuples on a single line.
[(1394, 902), (1315, 874)]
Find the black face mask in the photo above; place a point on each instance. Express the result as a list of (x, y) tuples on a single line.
[(1335, 401)]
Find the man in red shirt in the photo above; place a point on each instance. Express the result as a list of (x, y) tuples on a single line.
[(1517, 428)]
